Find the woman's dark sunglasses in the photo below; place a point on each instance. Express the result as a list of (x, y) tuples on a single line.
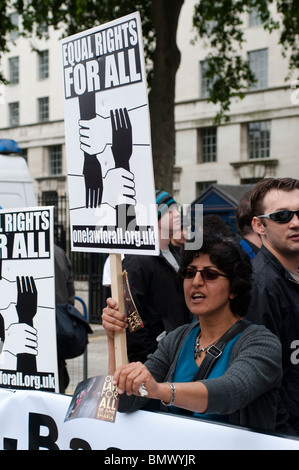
[(281, 217), (207, 274)]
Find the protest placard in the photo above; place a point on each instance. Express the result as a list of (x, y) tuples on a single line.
[(28, 352), (108, 147), (108, 144)]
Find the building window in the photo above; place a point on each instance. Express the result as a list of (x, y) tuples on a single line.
[(201, 186), (43, 109), (55, 160), (254, 18), (250, 180), (14, 114), (259, 139), (42, 28), (207, 144), (13, 70), (14, 18), (206, 82), (258, 62), (43, 64)]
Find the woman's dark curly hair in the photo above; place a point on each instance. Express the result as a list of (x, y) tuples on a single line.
[(230, 258)]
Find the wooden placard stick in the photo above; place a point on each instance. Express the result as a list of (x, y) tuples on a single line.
[(117, 291)]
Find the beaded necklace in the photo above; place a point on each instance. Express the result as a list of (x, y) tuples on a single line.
[(198, 350)]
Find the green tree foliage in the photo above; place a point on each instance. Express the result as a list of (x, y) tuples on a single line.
[(222, 24)]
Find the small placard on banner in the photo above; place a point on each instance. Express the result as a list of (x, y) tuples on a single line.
[(95, 398)]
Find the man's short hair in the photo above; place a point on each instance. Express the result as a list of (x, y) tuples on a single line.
[(264, 186)]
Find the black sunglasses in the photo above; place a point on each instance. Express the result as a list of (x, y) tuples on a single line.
[(207, 274), (281, 217)]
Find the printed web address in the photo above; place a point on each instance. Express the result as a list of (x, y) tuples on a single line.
[(19, 380), (93, 236)]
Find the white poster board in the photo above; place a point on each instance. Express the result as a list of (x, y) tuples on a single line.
[(28, 355), (108, 144)]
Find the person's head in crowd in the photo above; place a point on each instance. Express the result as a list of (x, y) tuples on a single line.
[(275, 205), (219, 255), (244, 225), (213, 223), (178, 239), (244, 215), (169, 217)]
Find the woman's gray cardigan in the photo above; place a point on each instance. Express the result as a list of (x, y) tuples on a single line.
[(247, 391)]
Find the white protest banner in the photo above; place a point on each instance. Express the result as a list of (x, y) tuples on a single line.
[(28, 356), (108, 143), (32, 420)]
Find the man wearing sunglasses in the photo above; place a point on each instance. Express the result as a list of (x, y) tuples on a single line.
[(275, 300)]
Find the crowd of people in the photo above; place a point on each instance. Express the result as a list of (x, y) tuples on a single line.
[(228, 352)]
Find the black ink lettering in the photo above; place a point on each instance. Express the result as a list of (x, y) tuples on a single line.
[(79, 444), (36, 441)]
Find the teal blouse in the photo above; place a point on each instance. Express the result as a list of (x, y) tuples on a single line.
[(186, 369)]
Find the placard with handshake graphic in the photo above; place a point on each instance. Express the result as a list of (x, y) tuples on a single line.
[(108, 144), (28, 351)]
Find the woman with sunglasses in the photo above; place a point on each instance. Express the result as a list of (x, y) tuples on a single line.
[(220, 367)]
